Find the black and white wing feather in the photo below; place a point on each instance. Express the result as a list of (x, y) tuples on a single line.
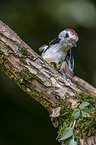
[(70, 60), (54, 41), (43, 49)]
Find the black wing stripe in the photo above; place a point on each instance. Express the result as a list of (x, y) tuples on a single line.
[(71, 58), (54, 41)]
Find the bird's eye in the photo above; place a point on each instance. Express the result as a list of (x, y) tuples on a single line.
[(67, 35)]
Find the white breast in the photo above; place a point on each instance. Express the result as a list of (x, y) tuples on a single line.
[(54, 54)]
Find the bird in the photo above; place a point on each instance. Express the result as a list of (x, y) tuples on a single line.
[(59, 54)]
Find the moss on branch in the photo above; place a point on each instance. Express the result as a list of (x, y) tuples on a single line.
[(43, 83)]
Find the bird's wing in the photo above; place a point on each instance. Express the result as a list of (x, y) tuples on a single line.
[(43, 48), (54, 41), (70, 59)]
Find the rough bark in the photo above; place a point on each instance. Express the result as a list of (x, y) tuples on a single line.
[(40, 80)]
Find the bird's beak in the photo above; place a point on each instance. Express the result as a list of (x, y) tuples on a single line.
[(74, 43)]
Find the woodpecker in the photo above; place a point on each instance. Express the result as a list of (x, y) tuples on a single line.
[(59, 52)]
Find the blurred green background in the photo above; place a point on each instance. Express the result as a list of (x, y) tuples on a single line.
[(24, 121)]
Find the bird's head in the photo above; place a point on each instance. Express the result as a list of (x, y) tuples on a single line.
[(68, 38)]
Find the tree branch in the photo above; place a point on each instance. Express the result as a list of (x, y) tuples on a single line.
[(38, 79)]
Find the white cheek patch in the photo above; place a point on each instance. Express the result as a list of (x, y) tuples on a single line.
[(71, 35)]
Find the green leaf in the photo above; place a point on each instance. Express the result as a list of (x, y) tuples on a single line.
[(86, 110), (63, 143), (83, 105), (74, 133), (66, 142), (67, 133), (75, 114), (84, 114), (72, 142)]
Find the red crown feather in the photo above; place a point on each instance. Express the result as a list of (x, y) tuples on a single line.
[(72, 31)]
